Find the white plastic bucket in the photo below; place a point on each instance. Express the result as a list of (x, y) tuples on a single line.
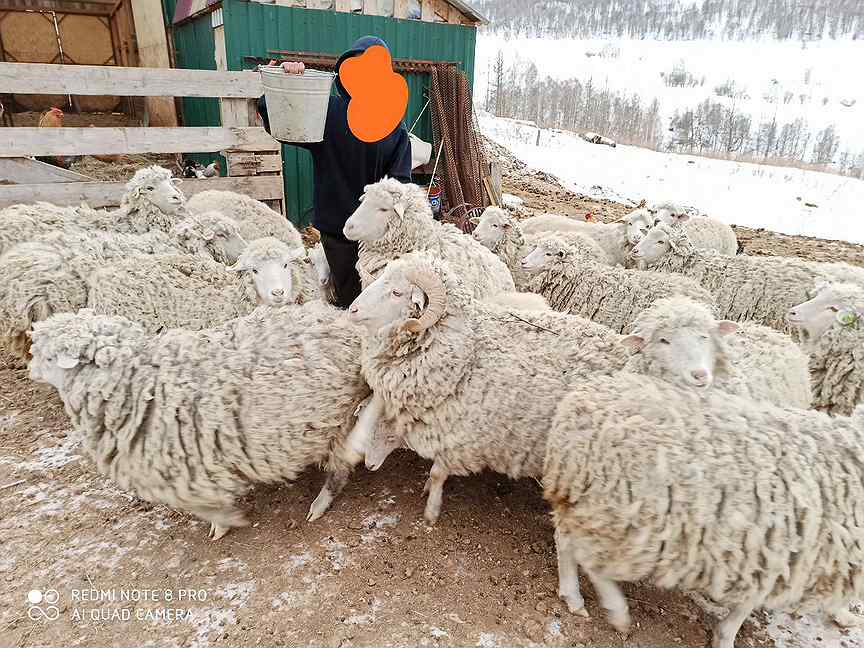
[(421, 152), (296, 103)]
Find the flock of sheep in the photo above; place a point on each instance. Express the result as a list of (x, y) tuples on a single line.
[(693, 414)]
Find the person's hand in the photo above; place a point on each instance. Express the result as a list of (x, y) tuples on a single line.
[(290, 67)]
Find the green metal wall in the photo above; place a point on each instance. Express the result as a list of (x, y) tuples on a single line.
[(252, 29)]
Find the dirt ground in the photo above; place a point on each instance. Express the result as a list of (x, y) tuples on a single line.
[(370, 572)]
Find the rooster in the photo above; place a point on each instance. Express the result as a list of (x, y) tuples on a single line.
[(192, 169), (53, 118)]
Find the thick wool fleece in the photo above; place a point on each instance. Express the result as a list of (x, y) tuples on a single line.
[(761, 289), (711, 234), (455, 392), (755, 362), (711, 493), (191, 419), (254, 218), (479, 268), (610, 296)]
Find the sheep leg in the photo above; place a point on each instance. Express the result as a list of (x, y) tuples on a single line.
[(568, 576), (333, 485), (845, 618), (613, 600), (437, 476), (217, 531), (355, 446), (726, 630)]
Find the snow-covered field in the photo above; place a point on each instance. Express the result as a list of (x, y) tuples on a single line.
[(787, 200), (823, 77)]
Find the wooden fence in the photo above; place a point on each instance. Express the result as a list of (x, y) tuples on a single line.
[(254, 158)]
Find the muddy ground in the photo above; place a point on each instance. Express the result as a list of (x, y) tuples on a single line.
[(370, 572)]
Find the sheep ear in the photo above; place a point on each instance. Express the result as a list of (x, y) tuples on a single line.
[(240, 266), (682, 218), (176, 181), (725, 327), (418, 297), (399, 208), (634, 342), (505, 225), (67, 361)]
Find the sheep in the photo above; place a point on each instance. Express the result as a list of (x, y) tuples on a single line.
[(177, 291), (395, 218), (256, 219), (572, 283), (761, 289), (192, 419), (321, 267), (50, 274), (500, 232), (832, 331), (681, 341), (747, 503), (518, 301), (705, 233), (450, 374)]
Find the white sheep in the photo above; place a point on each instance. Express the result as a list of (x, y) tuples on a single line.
[(501, 232), (761, 289), (450, 374), (194, 293), (681, 341), (321, 268), (571, 282), (747, 503), (50, 274), (705, 233), (192, 419), (395, 218), (256, 219), (832, 327)]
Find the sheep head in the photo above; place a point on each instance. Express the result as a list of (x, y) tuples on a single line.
[(834, 305), (154, 186), (383, 203), (211, 233), (550, 251), (679, 340), (637, 224), (660, 241), (495, 223), (275, 269)]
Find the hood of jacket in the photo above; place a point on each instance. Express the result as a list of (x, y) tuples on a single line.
[(359, 46)]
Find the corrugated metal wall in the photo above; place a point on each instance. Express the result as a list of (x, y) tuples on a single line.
[(251, 29)]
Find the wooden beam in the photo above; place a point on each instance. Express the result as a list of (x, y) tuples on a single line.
[(82, 7), (108, 194), (153, 53), (24, 142), (44, 78), (343, 6), (400, 9), (427, 10), (245, 164), (27, 171), (370, 7)]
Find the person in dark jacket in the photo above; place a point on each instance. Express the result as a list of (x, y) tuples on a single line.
[(343, 166)]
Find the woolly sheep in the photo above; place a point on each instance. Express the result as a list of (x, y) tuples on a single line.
[(705, 233), (395, 218), (178, 291), (51, 273), (832, 327), (571, 283), (449, 373), (192, 419), (256, 219), (761, 289), (746, 503), (519, 301), (321, 268), (680, 340), (500, 232), (616, 239)]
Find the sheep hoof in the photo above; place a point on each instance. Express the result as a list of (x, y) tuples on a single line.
[(576, 606), (431, 516), (217, 531), (427, 485), (319, 506), (847, 619), (620, 620)]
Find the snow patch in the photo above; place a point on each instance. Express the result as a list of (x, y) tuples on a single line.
[(487, 640)]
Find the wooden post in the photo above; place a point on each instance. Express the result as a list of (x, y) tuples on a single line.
[(153, 52)]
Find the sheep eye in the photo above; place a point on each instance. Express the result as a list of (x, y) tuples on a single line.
[(254, 271), (561, 254), (704, 337), (285, 267), (664, 341), (495, 226), (148, 188), (661, 242), (384, 209), (397, 293), (834, 309)]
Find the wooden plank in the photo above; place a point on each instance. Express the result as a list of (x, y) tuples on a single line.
[(108, 194), (82, 7), (400, 8), (244, 164), (495, 179), (454, 16), (219, 46), (153, 53), (370, 7), (237, 112), (24, 142), (44, 78), (27, 171), (343, 6), (427, 10)]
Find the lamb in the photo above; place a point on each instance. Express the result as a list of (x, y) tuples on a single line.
[(761, 289), (680, 340), (176, 291), (192, 419), (256, 219), (51, 273), (395, 218), (832, 329), (705, 233), (449, 374), (321, 267), (501, 232), (648, 481), (616, 238), (572, 283)]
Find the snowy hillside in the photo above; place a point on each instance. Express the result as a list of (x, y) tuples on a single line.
[(787, 200)]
